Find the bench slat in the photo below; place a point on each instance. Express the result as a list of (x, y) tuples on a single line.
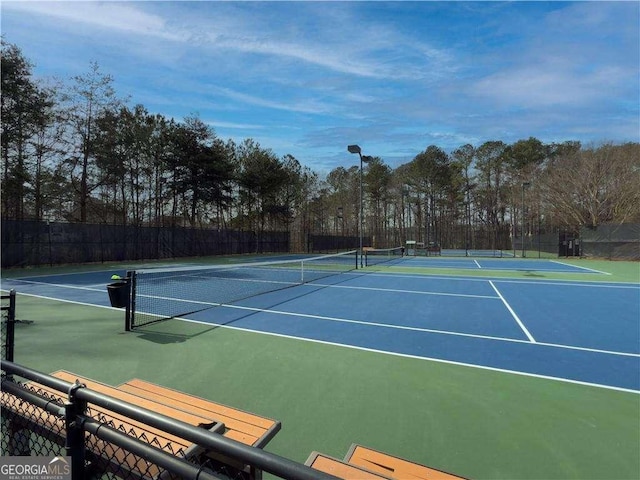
[(340, 469), (170, 443), (394, 467), (240, 425), (162, 408), (186, 398), (248, 431), (164, 439)]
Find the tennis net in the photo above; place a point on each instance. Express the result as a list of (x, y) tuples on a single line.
[(374, 256), (163, 293)]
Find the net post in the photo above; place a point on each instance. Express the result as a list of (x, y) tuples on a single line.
[(130, 308)]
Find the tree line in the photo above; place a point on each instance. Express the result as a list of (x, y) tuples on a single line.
[(74, 151)]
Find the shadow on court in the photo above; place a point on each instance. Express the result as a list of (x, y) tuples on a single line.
[(168, 332)]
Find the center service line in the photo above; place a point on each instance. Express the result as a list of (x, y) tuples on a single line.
[(513, 314)]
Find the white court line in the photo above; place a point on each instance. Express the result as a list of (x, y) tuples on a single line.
[(430, 359), (579, 267), (403, 355), (513, 314), (392, 290), (74, 302), (91, 288), (560, 283), (395, 290), (383, 325), (335, 319), (427, 330), (477, 263)]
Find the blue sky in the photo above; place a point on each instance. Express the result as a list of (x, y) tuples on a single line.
[(307, 78)]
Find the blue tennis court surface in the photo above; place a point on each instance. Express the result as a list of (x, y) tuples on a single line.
[(576, 331)]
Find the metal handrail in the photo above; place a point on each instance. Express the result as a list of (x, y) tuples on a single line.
[(266, 461)]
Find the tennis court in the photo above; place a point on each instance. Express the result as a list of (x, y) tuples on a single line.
[(540, 328)]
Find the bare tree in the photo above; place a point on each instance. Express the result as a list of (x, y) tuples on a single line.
[(594, 186), (86, 100)]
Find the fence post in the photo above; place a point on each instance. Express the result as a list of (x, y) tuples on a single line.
[(75, 445), (11, 326)]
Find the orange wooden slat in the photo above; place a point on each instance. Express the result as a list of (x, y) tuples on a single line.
[(394, 467)]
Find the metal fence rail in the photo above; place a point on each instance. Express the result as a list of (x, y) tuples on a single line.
[(35, 422)]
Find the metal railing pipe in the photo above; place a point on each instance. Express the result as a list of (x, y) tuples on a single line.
[(152, 454), (266, 461)]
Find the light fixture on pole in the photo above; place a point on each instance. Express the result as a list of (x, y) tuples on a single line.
[(524, 185), (365, 159)]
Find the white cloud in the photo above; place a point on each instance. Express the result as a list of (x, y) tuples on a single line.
[(232, 125), (530, 87), (579, 56), (302, 106), (109, 15), (373, 50), (316, 76), (538, 86)]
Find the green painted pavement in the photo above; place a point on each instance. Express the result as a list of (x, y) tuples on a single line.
[(473, 422)]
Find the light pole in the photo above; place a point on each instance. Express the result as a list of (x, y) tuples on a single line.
[(524, 185), (365, 159)]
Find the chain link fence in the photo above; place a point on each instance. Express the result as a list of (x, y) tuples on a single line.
[(32, 243), (611, 241), (333, 243), (106, 438)]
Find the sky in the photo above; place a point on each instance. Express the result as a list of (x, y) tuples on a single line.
[(309, 78)]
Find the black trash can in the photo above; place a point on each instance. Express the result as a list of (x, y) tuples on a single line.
[(118, 294)]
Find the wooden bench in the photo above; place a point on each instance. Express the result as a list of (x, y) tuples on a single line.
[(172, 444), (393, 467), (100, 452), (239, 425), (340, 469)]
